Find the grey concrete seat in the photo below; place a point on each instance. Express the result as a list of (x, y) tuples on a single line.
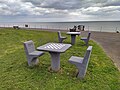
[(86, 39), (81, 63), (16, 27), (31, 53), (60, 38)]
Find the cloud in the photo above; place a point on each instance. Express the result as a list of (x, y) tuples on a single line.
[(112, 3), (12, 7), (61, 4), (60, 9), (101, 11)]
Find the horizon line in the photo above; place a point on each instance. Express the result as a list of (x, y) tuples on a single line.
[(63, 21)]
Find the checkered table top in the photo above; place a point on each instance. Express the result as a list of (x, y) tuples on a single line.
[(73, 33), (54, 47)]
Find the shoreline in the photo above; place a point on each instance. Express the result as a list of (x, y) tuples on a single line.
[(40, 29), (55, 30)]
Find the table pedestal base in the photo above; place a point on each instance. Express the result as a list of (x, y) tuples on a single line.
[(55, 62), (73, 39)]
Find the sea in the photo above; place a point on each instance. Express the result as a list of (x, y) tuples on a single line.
[(102, 26)]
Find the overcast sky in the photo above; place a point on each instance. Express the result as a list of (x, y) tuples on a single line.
[(58, 10)]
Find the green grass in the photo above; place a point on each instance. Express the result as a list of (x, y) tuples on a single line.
[(16, 75)]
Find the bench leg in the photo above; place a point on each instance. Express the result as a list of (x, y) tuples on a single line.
[(55, 61), (86, 42), (32, 62), (61, 40), (81, 72), (35, 61)]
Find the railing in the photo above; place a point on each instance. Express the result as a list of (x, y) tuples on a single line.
[(102, 29), (87, 28)]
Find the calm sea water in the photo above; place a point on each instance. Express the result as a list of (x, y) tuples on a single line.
[(104, 26)]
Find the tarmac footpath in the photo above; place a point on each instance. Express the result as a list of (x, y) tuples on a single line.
[(110, 42)]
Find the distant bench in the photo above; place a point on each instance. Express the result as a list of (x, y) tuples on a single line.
[(16, 27)]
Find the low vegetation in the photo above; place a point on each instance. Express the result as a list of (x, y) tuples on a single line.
[(16, 75)]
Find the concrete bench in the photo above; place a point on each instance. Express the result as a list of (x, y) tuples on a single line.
[(31, 53), (86, 39), (81, 27), (16, 27), (81, 63), (60, 38)]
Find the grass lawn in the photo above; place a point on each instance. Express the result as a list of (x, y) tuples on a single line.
[(16, 75)]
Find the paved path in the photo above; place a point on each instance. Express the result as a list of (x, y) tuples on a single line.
[(110, 43)]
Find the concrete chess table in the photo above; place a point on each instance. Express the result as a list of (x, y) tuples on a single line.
[(73, 36), (55, 49)]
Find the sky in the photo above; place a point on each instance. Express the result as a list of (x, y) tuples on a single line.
[(59, 10)]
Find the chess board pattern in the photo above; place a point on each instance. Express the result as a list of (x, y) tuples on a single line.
[(54, 46)]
